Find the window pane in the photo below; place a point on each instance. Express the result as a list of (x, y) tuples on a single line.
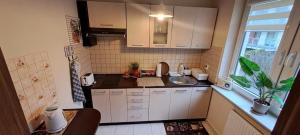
[(263, 33)]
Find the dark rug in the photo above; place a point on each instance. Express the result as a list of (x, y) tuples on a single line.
[(185, 128)]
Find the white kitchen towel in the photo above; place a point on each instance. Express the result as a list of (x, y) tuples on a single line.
[(77, 91)]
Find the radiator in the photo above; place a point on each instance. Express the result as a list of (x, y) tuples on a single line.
[(236, 125)]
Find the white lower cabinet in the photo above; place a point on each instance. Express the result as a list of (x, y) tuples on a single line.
[(199, 102), (101, 102), (159, 105), (118, 105), (138, 115), (131, 105), (138, 104), (180, 101)]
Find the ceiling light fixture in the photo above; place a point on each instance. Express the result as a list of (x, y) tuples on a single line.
[(161, 13)]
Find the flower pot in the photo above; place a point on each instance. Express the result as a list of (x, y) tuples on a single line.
[(260, 106)]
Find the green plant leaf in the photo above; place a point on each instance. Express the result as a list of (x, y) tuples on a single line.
[(248, 66), (278, 99), (259, 84), (241, 80), (264, 80), (286, 84)]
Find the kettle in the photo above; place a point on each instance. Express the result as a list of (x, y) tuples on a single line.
[(54, 119)]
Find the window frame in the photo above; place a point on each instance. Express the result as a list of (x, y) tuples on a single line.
[(275, 108)]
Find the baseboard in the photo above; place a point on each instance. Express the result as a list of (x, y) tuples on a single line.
[(210, 130)]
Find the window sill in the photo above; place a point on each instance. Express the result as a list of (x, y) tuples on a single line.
[(266, 121)]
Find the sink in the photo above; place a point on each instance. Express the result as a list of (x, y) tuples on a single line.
[(183, 80)]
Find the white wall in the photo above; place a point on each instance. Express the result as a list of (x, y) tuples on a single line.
[(29, 26)]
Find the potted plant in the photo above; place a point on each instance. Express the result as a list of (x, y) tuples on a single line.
[(134, 69), (258, 79)]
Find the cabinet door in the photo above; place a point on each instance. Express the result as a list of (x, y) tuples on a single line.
[(183, 24), (138, 115), (180, 101), (159, 103), (137, 25), (118, 105), (160, 30), (204, 27), (101, 103), (199, 102), (106, 14)]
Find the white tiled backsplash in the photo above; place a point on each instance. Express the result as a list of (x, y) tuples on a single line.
[(111, 56), (34, 83)]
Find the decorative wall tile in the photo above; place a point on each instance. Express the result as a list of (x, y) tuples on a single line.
[(83, 55), (34, 84), (111, 56)]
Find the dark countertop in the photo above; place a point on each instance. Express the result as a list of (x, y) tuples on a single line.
[(116, 81)]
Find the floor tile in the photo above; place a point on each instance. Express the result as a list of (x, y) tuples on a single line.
[(132, 129), (124, 130), (158, 129), (106, 130), (142, 129)]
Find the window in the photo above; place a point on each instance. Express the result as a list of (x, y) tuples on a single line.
[(260, 35)]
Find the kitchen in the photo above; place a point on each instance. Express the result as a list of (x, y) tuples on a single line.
[(151, 67)]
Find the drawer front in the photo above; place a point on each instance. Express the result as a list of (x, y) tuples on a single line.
[(137, 99), (138, 92), (138, 115), (137, 106), (117, 92), (100, 92), (160, 91), (201, 89)]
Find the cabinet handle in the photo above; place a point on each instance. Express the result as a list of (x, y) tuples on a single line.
[(137, 45), (180, 90), (159, 91), (117, 92), (136, 101), (106, 24), (137, 93), (99, 92), (180, 46)]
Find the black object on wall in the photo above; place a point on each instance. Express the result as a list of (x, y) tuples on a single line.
[(87, 38), (88, 96)]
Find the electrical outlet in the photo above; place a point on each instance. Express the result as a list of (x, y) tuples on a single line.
[(206, 67)]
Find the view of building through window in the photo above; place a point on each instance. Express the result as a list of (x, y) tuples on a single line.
[(263, 32)]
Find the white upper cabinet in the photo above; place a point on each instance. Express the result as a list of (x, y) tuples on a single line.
[(204, 27), (183, 24), (106, 14), (160, 30), (138, 25)]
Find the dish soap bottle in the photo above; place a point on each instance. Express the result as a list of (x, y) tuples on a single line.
[(180, 69)]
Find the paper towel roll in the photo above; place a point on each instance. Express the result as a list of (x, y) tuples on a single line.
[(158, 70)]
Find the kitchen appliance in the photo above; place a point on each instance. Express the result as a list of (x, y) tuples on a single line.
[(54, 119), (164, 68), (199, 74), (158, 70), (87, 79)]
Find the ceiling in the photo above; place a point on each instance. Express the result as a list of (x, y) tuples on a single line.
[(196, 3)]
